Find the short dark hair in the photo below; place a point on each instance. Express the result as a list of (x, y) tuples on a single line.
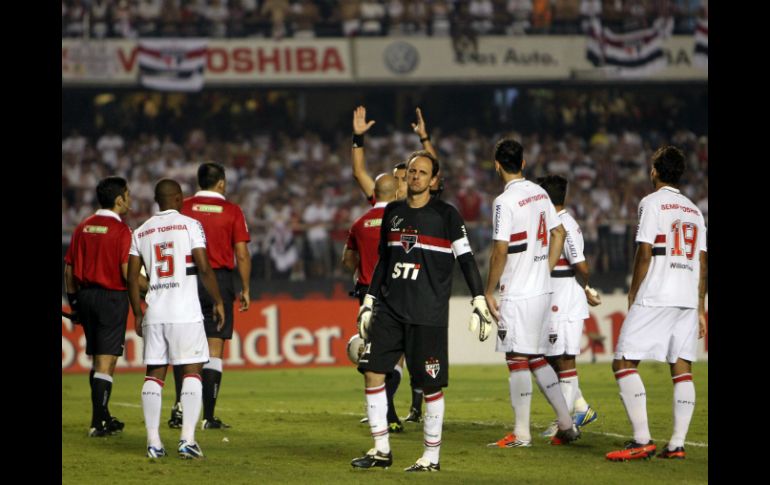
[(510, 154), (428, 155), (555, 186), (400, 166), (209, 174), (109, 189), (668, 161)]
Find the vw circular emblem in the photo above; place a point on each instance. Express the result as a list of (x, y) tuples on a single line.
[(401, 57)]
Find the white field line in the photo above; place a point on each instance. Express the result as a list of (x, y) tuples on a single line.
[(478, 423)]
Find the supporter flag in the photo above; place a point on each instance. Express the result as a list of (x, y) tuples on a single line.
[(701, 56), (172, 64), (637, 53)]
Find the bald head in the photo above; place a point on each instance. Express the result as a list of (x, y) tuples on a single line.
[(385, 188), (168, 195)]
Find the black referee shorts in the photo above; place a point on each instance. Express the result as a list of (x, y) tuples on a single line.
[(426, 349), (227, 290), (104, 314)]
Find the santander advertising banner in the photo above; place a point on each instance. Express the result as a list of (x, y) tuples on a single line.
[(314, 333)]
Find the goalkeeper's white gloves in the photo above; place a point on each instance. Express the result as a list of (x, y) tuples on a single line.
[(364, 315), (481, 318)]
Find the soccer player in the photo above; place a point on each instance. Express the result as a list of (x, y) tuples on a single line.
[(667, 305), (227, 236), (94, 277), (528, 241), (406, 309), (569, 307), (366, 183), (360, 256), (172, 249)]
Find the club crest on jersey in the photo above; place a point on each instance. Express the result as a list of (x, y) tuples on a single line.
[(501, 334), (552, 338), (432, 367), (408, 241)]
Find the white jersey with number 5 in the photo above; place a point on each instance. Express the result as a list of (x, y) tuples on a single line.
[(675, 228), (165, 243), (524, 217)]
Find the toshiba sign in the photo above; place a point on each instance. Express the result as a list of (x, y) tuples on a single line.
[(242, 61)]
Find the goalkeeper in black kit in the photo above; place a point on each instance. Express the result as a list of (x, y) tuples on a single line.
[(406, 309)]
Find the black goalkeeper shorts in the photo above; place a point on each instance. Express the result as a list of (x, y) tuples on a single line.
[(426, 349)]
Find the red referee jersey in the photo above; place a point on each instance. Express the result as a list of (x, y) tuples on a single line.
[(223, 223), (98, 247), (364, 237)]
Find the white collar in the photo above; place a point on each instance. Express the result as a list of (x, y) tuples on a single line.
[(670, 188), (167, 212), (513, 182), (107, 213), (209, 193), (379, 204)]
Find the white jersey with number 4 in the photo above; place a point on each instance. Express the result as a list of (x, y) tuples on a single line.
[(568, 301), (675, 228), (524, 217), (165, 243)]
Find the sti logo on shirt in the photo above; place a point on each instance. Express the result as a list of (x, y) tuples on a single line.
[(403, 270)]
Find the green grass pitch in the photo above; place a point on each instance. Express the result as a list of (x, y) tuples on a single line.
[(301, 426)]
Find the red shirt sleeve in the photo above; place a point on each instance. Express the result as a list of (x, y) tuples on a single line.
[(125, 244), (240, 229)]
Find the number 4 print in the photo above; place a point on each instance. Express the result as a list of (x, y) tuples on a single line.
[(542, 231), (684, 231), (164, 258)]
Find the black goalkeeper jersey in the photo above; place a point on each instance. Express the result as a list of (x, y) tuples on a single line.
[(417, 253)]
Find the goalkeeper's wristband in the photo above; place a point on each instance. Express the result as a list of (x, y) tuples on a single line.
[(358, 140), (423, 140)]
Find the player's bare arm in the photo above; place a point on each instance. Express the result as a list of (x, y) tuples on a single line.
[(581, 276), (206, 274), (422, 132), (132, 281), (243, 258), (497, 258), (702, 290), (144, 285), (558, 235), (361, 126), (350, 259), (71, 287), (642, 260)]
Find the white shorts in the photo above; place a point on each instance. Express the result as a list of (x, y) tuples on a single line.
[(525, 324), (564, 337), (664, 334), (175, 343)]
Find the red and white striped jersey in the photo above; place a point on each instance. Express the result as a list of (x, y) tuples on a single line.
[(675, 228), (568, 301), (165, 243), (524, 217)]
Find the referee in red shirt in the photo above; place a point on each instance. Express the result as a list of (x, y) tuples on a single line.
[(226, 240), (361, 255), (95, 280)]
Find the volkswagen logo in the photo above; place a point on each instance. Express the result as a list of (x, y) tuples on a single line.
[(401, 57)]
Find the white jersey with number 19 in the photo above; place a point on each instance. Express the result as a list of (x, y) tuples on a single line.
[(675, 228), (524, 217), (165, 243)]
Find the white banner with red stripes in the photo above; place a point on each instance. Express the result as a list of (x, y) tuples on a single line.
[(172, 64), (638, 53)]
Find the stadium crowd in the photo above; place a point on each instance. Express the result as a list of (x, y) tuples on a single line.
[(337, 18), (296, 186)]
